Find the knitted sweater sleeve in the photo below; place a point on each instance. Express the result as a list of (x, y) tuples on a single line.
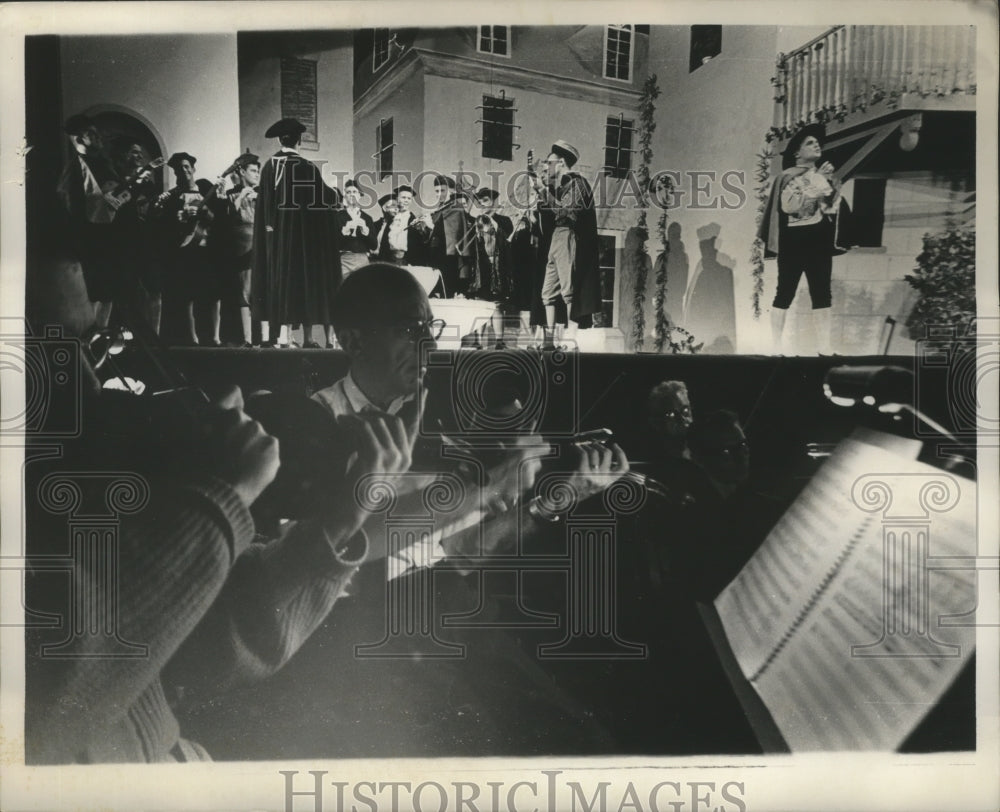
[(172, 561), (276, 596)]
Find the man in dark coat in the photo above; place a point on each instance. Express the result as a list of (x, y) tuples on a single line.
[(296, 251), (404, 236), (183, 218), (232, 237), (572, 272), (450, 242), (91, 211)]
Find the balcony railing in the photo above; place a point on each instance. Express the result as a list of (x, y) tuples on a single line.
[(852, 68)]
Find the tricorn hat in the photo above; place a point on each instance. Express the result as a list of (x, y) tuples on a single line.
[(492, 194), (177, 157), (566, 151), (788, 156), (287, 126), (245, 160), (385, 199), (78, 124)]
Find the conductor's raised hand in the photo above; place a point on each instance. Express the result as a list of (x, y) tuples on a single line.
[(246, 456), (383, 442)]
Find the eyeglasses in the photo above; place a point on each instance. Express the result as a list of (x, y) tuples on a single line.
[(684, 411), (420, 329), (740, 447)]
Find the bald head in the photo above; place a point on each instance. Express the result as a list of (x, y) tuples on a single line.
[(376, 295)]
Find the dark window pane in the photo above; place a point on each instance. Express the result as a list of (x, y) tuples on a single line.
[(868, 216), (706, 42)]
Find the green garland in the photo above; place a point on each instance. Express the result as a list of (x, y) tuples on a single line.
[(762, 185), (647, 124)]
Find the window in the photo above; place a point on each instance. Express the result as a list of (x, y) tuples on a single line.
[(706, 42), (383, 148), (494, 39), (618, 52), (498, 127), (607, 259), (618, 146), (868, 212), (380, 55), (298, 96)]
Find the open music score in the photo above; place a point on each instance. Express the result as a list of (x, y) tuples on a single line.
[(855, 615)]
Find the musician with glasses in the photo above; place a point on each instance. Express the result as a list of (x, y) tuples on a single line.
[(669, 410), (384, 323)]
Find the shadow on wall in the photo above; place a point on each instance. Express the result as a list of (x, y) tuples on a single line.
[(678, 266), (711, 305)]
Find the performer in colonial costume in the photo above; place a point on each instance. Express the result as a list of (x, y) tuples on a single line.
[(491, 273), (184, 216), (450, 244), (91, 212), (404, 238), (356, 231), (232, 236), (296, 247), (572, 272), (387, 203), (802, 228)]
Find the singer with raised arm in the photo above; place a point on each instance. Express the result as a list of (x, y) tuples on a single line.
[(571, 273), (802, 228)]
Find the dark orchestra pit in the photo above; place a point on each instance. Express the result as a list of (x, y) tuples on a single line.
[(489, 692)]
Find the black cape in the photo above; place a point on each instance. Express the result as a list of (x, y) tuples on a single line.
[(296, 266)]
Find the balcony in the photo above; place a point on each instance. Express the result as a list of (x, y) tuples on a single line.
[(854, 74)]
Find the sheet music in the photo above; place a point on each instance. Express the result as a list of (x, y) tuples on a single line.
[(802, 613)]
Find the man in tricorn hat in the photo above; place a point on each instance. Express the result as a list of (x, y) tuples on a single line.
[(572, 271), (90, 213), (296, 251), (801, 226), (232, 236)]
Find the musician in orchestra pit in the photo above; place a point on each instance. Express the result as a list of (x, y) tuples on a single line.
[(669, 409), (802, 228), (83, 191), (572, 272), (183, 216), (296, 241), (384, 323), (358, 236), (404, 239), (232, 236)]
